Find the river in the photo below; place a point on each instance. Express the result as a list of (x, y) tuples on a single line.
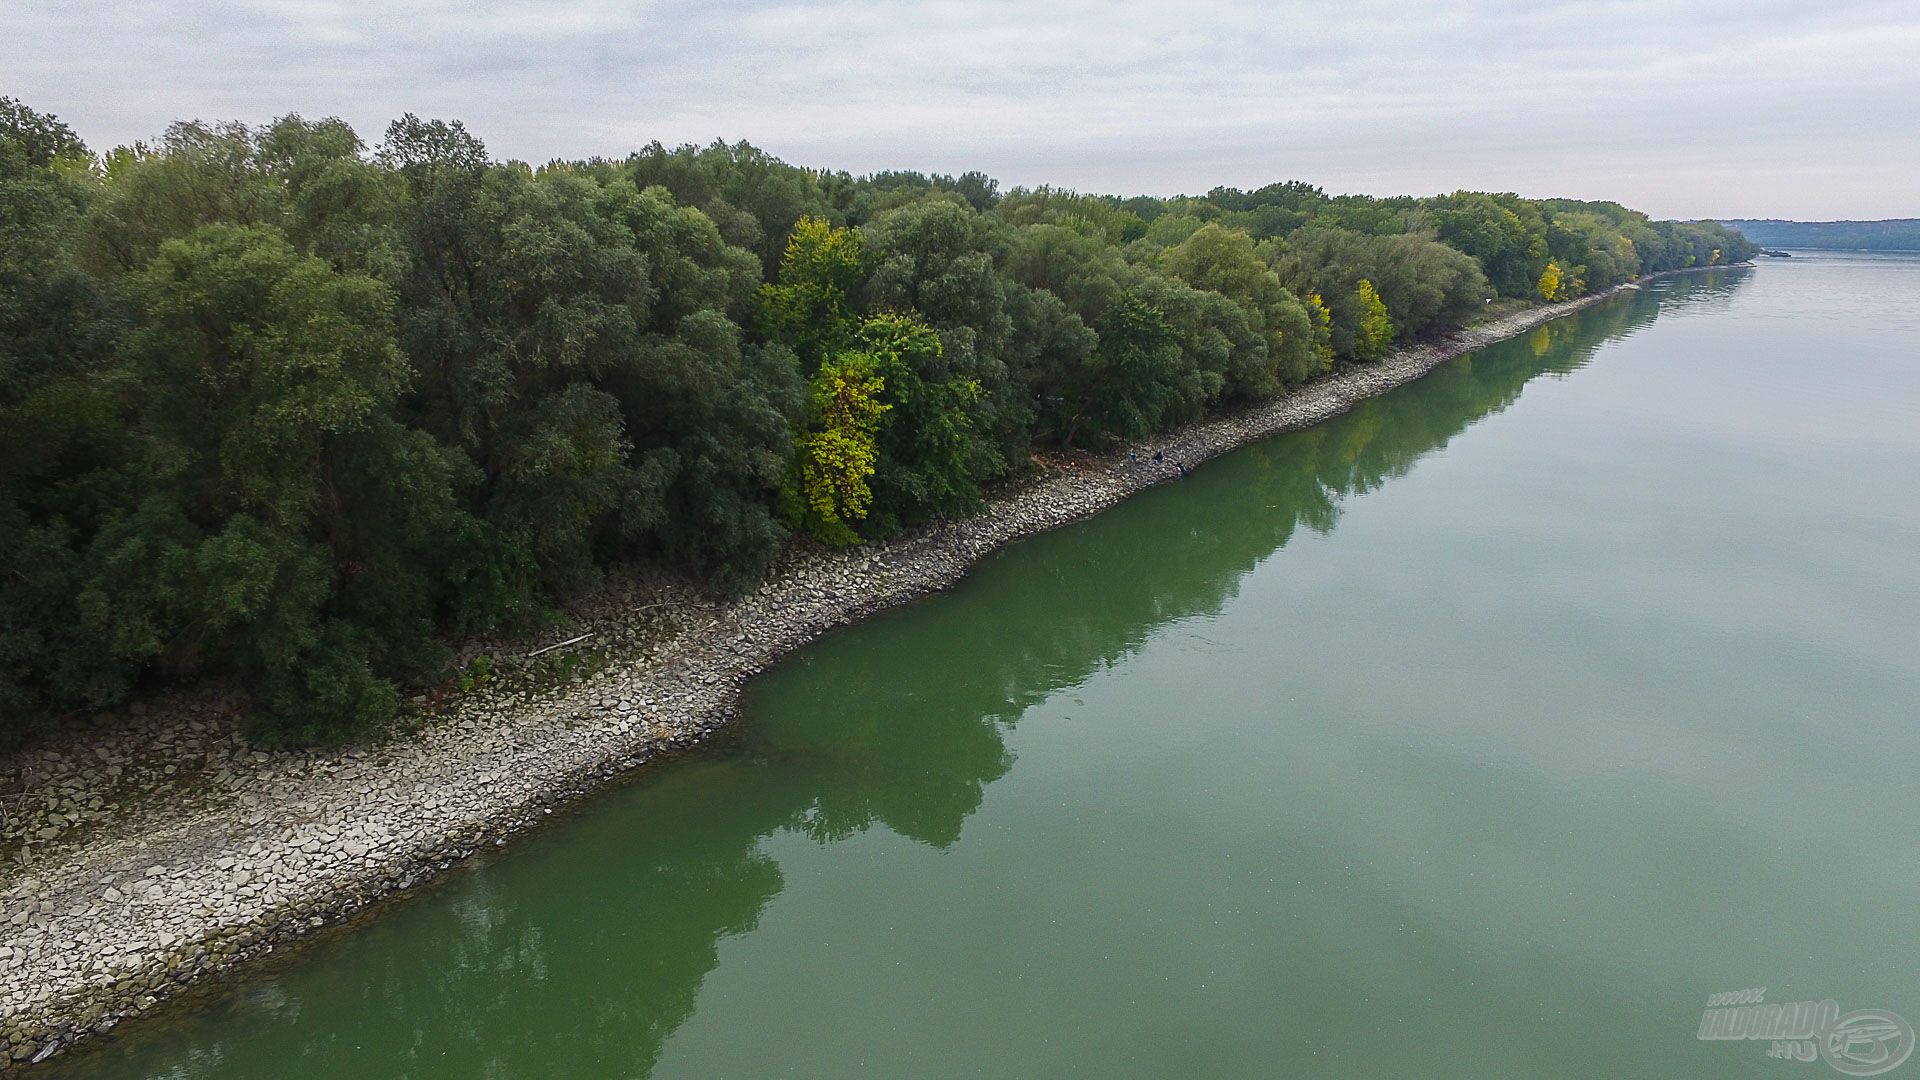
[(1485, 731)]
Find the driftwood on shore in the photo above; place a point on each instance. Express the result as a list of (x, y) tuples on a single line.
[(560, 645)]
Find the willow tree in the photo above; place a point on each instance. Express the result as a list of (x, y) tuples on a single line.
[(289, 525), (1225, 261)]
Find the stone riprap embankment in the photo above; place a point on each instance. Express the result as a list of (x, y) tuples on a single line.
[(119, 918)]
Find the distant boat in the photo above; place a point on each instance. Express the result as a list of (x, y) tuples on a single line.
[(1776, 254)]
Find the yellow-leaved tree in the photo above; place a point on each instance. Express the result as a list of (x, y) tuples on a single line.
[(1552, 282), (810, 308), (1322, 318), (838, 452), (1374, 331)]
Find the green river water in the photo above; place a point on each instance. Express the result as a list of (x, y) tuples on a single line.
[(1482, 732)]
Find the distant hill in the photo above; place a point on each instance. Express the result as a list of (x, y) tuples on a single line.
[(1893, 234)]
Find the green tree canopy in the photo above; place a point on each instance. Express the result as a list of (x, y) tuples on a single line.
[(278, 406)]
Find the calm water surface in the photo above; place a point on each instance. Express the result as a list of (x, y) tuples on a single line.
[(1483, 732)]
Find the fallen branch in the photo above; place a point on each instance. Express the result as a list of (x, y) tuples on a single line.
[(560, 645)]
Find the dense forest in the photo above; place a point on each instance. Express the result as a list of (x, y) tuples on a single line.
[(278, 405), (1893, 234)]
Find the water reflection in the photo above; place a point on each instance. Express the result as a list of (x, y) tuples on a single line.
[(581, 952)]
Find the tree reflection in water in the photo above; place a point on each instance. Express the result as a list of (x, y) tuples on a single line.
[(585, 948)]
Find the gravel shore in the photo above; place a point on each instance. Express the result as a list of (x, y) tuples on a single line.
[(112, 919)]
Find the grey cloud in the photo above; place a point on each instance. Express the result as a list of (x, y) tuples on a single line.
[(1758, 108)]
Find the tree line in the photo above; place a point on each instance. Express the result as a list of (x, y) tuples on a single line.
[(1892, 234), (279, 405)]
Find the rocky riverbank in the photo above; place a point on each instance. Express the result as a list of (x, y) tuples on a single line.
[(104, 924)]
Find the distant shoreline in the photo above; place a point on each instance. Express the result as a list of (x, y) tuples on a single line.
[(115, 926), (1879, 235)]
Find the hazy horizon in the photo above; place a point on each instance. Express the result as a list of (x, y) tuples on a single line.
[(1764, 110)]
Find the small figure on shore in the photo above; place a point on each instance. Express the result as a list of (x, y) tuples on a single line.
[(1156, 457), (1182, 466)]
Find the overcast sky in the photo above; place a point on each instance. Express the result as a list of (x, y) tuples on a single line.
[(1734, 108)]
